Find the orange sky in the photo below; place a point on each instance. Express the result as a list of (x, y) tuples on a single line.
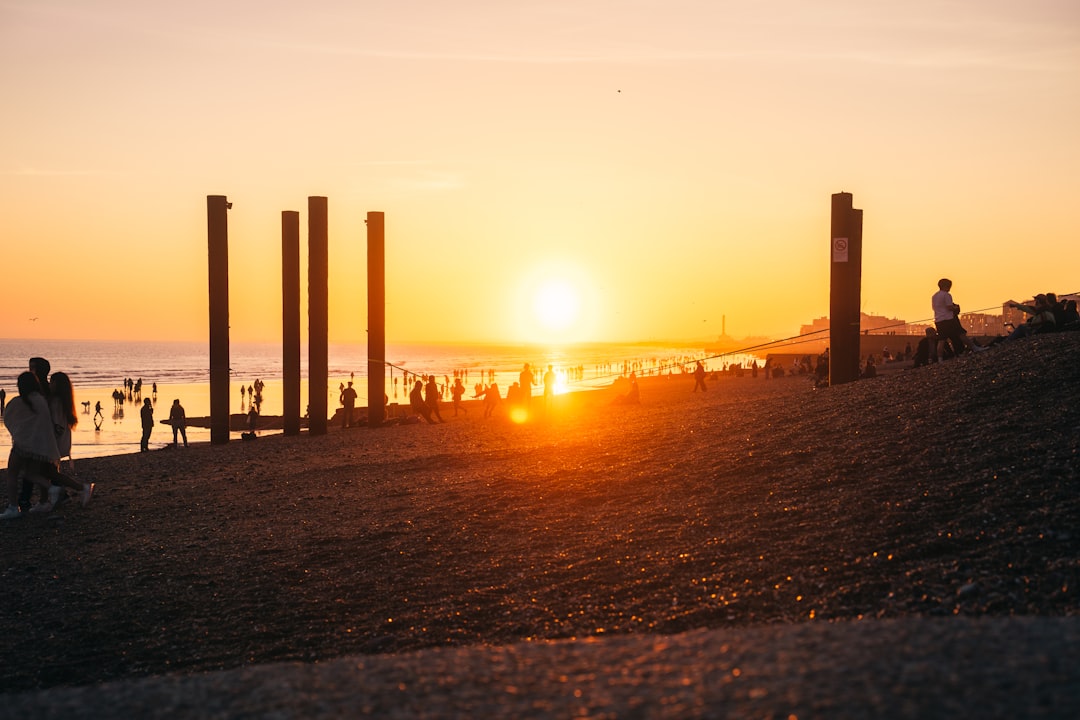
[(670, 162)]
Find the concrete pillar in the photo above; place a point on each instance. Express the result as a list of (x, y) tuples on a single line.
[(845, 291), (318, 315), (217, 232), (290, 321), (376, 279)]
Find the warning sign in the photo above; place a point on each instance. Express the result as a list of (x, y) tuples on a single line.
[(839, 249)]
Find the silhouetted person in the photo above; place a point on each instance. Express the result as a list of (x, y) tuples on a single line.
[(1070, 320), (525, 380), (178, 420), (3, 401), (62, 407), (926, 350), (632, 396), (1041, 320), (34, 455), (871, 368), (147, 414), (492, 398), (41, 368), (457, 392), (431, 396), (947, 320), (513, 396), (1058, 308), (348, 401), (699, 377), (821, 373), (417, 404), (549, 387)]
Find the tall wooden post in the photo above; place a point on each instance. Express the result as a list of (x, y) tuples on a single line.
[(217, 233), (376, 280), (845, 293), (290, 321), (318, 314)]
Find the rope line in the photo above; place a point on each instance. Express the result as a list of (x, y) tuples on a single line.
[(790, 341)]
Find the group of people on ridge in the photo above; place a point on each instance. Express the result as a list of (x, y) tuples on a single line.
[(948, 337)]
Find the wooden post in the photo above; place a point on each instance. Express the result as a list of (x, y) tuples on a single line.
[(290, 321), (318, 322), (376, 272), (217, 232), (845, 293)]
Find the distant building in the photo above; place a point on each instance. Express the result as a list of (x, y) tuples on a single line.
[(981, 324), (868, 325), (814, 336)]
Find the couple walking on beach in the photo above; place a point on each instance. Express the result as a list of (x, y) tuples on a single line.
[(424, 400), (40, 421)]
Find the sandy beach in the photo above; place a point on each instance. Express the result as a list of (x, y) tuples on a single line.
[(847, 549)]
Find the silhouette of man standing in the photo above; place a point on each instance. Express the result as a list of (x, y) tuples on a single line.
[(348, 400), (699, 377), (525, 382), (178, 420), (417, 404), (147, 414), (431, 395)]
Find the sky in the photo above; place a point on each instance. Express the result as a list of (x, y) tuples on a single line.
[(550, 171)]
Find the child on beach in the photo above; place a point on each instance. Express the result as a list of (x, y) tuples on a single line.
[(34, 452)]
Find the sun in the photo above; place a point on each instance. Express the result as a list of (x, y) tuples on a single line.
[(556, 306), (554, 302)]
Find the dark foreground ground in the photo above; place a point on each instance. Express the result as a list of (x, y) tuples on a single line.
[(906, 546)]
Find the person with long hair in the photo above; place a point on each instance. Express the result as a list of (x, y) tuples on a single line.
[(62, 406), (34, 452)]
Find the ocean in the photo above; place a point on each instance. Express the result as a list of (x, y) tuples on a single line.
[(180, 370)]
